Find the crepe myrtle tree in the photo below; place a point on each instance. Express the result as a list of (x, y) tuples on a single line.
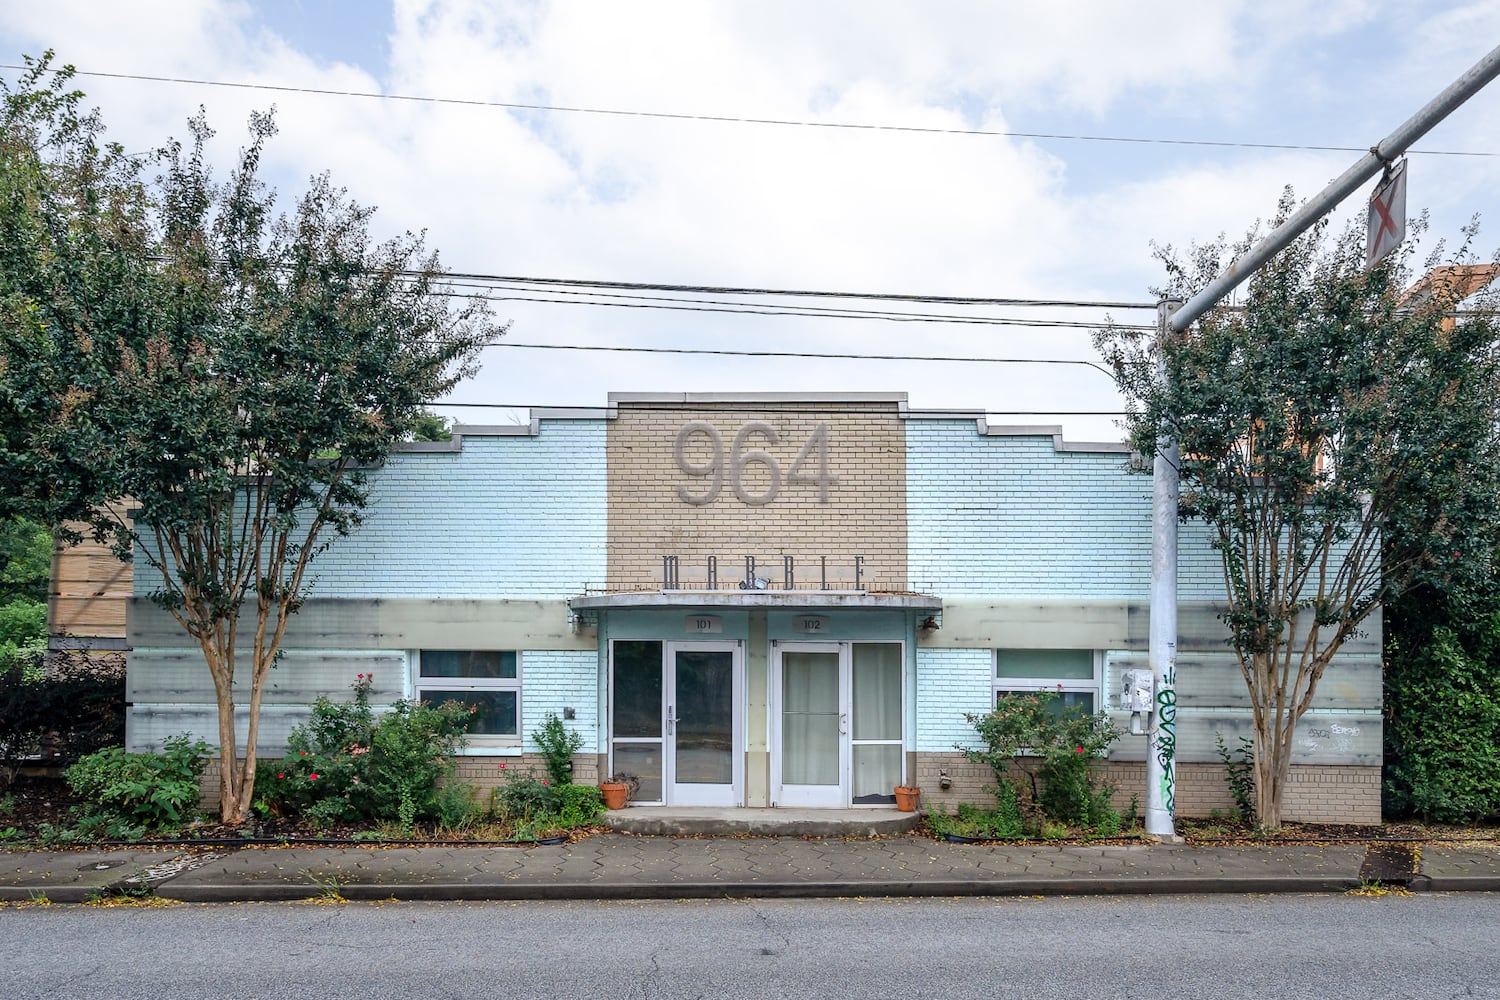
[(232, 371), (1338, 436)]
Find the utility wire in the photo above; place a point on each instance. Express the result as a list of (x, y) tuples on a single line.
[(738, 120), (797, 354), (776, 406), (806, 312), (790, 292), (811, 310)]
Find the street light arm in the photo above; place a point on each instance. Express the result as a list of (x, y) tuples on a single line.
[(1368, 166)]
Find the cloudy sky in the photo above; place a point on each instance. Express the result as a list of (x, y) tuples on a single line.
[(703, 144)]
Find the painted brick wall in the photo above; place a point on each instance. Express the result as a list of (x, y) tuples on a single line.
[(552, 680), (950, 682), (507, 516), (1012, 517), (864, 513)]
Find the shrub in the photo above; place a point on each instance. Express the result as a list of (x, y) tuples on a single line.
[(411, 758), (525, 796), (531, 804), (23, 620), (345, 765), (75, 709), (1066, 740), (155, 791), (579, 805), (970, 821), (558, 744), (1443, 728), (1239, 774)]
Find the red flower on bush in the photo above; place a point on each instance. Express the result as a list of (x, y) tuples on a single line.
[(544, 781), (281, 774), (313, 776), (1080, 749)]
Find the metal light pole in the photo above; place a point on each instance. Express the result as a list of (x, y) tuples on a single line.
[(1171, 320), (1161, 735)]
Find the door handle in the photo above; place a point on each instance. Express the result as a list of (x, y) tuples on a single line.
[(671, 721), (843, 723)]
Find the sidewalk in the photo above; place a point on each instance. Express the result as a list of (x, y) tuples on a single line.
[(618, 866)]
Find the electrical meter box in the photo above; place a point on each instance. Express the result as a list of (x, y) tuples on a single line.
[(1137, 691)]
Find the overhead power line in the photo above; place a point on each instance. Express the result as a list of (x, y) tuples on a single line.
[(751, 309), (745, 120), (782, 405), (798, 354), (966, 300)]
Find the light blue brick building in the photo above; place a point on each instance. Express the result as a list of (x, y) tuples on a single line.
[(766, 600)]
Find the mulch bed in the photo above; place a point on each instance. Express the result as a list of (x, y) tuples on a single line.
[(35, 800)]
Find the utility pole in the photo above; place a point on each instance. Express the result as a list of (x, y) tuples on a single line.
[(1161, 734), (1171, 321)]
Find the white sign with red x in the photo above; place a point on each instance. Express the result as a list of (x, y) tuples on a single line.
[(1386, 226)]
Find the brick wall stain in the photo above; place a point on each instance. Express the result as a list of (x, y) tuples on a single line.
[(864, 513)]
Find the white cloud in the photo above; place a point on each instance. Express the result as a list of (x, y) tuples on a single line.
[(651, 199)]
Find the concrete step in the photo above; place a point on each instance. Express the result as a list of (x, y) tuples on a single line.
[(669, 821)]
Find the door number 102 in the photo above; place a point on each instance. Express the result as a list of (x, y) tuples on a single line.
[(814, 452)]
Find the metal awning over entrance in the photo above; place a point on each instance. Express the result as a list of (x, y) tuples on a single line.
[(788, 600)]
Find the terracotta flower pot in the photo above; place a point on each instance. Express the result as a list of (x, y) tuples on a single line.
[(615, 794), (906, 797)]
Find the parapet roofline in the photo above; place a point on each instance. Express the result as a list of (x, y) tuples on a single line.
[(711, 398), (533, 426)]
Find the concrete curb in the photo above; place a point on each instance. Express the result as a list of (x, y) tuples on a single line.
[(290, 892), (654, 869), (1454, 883)]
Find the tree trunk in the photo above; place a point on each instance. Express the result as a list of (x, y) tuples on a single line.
[(1273, 766), (228, 773)]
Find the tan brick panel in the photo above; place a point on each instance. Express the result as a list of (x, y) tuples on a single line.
[(862, 514)]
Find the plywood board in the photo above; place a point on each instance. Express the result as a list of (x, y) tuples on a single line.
[(1199, 628), (1041, 624), (328, 623), (1321, 737), (1213, 680), (181, 676)]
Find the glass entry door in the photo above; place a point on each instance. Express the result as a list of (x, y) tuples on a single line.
[(703, 754), (814, 746), (838, 723), (676, 721)]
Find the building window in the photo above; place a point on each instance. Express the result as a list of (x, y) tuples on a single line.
[(490, 680), (1072, 673)]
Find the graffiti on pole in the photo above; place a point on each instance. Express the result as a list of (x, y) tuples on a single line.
[(1166, 736)]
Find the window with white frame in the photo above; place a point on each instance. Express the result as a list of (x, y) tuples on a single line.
[(489, 680), (1073, 674)]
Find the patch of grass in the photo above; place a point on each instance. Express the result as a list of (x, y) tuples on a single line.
[(329, 890)]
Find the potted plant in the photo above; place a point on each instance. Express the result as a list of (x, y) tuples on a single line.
[(617, 790), (906, 797)]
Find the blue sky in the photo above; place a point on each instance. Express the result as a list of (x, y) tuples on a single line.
[(555, 194)]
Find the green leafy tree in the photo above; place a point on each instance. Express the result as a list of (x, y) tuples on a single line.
[(1339, 440), (25, 559), (231, 370), (429, 426)]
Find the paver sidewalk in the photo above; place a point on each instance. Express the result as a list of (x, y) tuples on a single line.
[(615, 866)]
